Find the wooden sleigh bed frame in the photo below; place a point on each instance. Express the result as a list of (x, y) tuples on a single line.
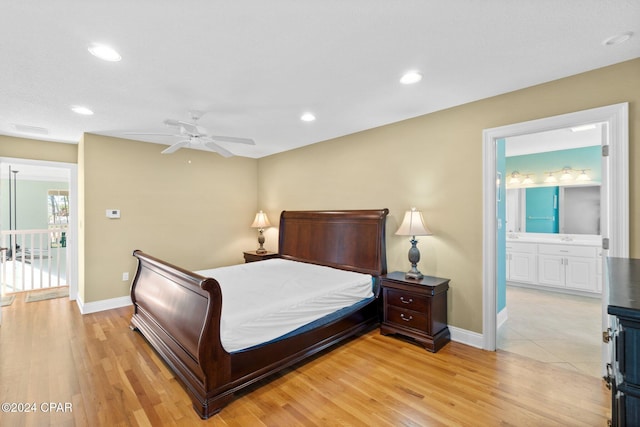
[(178, 311)]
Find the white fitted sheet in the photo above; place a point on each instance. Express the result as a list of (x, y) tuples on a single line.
[(264, 300)]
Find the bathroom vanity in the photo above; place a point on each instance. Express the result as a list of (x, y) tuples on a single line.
[(565, 263)]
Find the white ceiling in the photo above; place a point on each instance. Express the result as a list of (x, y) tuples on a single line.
[(553, 140), (255, 66)]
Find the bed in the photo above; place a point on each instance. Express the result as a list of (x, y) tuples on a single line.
[(179, 311)]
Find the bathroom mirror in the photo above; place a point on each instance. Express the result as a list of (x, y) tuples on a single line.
[(554, 209)]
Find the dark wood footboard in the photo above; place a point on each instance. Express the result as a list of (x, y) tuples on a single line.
[(178, 311)]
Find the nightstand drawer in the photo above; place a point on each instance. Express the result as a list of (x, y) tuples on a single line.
[(407, 318), (406, 300)]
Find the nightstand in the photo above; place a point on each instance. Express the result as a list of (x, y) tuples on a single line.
[(416, 309), (252, 256)]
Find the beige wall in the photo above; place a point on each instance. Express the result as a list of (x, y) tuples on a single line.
[(434, 162), (33, 149), (195, 215)]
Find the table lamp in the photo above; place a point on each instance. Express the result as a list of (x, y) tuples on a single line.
[(413, 225), (261, 222)]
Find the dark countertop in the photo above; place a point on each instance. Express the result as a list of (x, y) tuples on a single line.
[(623, 275)]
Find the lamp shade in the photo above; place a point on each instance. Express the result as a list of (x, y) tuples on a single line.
[(261, 221), (413, 224)]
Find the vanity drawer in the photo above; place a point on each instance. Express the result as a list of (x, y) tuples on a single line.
[(406, 300), (529, 248), (566, 250)]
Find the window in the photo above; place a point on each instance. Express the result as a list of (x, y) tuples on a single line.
[(58, 207)]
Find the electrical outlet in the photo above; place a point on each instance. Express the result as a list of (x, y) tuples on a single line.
[(125, 276)]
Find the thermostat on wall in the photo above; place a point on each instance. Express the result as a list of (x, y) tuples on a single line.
[(113, 213)]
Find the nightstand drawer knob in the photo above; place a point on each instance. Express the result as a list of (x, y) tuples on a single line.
[(406, 318), (406, 301)]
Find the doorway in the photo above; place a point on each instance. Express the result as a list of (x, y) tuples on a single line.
[(548, 301), (615, 196), (35, 170)]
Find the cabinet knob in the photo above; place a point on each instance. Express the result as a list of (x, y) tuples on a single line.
[(406, 301)]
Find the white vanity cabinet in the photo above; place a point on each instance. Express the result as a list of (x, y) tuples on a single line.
[(571, 267), (568, 267), (521, 262)]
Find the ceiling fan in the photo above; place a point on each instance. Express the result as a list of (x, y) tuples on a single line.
[(193, 135)]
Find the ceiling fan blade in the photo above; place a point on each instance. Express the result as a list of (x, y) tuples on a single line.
[(218, 149), (190, 128), (175, 147), (247, 141)]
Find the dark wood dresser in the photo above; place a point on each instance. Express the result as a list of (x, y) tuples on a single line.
[(623, 374), (416, 309)]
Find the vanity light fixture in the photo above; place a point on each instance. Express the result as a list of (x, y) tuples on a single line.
[(550, 178), (566, 175), (514, 180), (583, 176), (410, 78), (104, 52), (527, 180)]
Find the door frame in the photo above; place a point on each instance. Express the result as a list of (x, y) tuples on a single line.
[(72, 237), (616, 118)]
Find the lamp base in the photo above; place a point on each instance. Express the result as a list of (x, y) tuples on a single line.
[(414, 257), (414, 275), (261, 249)]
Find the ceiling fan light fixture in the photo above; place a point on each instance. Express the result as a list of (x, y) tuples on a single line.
[(104, 52)]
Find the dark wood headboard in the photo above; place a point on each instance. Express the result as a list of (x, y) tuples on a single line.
[(347, 239)]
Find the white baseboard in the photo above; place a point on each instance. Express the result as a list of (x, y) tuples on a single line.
[(463, 336), (102, 305)]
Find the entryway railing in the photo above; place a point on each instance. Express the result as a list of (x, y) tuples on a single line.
[(33, 259)]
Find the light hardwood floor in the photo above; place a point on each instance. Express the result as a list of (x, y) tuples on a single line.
[(110, 376)]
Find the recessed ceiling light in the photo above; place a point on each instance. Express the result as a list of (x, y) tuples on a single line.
[(307, 117), (583, 128), (618, 38), (104, 52), (82, 110), (410, 78)]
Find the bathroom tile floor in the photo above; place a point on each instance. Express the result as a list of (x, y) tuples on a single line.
[(555, 328)]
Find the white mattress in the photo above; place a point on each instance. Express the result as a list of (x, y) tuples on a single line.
[(267, 299)]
